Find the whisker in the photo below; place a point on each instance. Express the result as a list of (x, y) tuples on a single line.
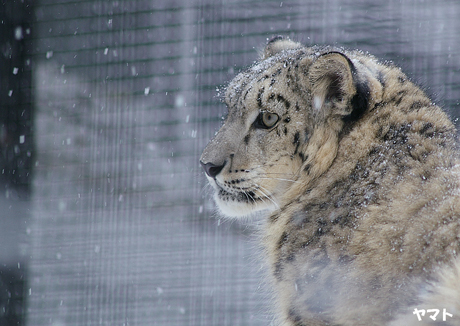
[(255, 169), (281, 179), (206, 189), (248, 196), (279, 173), (262, 191)]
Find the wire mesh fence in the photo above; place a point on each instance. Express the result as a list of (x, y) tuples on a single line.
[(121, 230)]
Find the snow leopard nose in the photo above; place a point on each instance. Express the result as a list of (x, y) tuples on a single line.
[(211, 169)]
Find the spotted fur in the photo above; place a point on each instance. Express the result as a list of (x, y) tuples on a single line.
[(360, 180)]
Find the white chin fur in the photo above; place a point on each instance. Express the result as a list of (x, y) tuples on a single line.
[(233, 209)]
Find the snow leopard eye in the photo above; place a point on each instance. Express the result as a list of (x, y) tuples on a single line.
[(266, 120)]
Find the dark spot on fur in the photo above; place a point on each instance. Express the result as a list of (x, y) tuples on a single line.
[(278, 271), (345, 259), (296, 138), (425, 175), (294, 316), (319, 232), (307, 168), (287, 120), (399, 97), (297, 107), (277, 72), (359, 173), (259, 96), (426, 127), (381, 78), (302, 157), (374, 150), (401, 79), (282, 240), (287, 104), (289, 79), (322, 224), (342, 220), (309, 242), (323, 205), (246, 139), (379, 134), (377, 105), (417, 105), (397, 134), (337, 219), (273, 218), (263, 78), (291, 257), (296, 142), (272, 82), (246, 93), (285, 131)]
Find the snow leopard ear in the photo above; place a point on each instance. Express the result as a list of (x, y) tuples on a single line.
[(336, 88), (277, 44)]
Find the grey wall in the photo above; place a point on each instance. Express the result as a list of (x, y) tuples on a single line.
[(122, 230)]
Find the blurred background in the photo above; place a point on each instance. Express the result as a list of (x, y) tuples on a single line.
[(105, 107)]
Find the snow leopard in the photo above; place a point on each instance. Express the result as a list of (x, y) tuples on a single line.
[(358, 174)]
